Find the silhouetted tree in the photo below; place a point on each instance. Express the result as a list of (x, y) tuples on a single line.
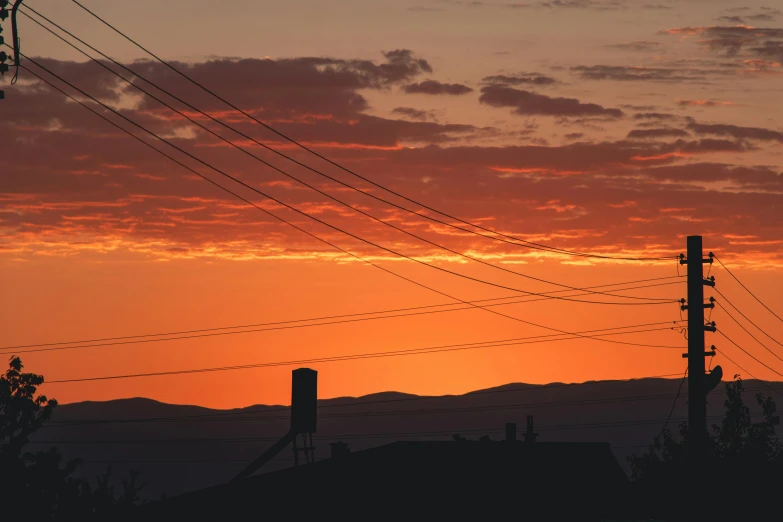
[(40, 485), (743, 453)]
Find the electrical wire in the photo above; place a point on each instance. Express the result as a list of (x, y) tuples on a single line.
[(748, 332), (674, 403), (380, 413), (340, 319), (302, 146), (229, 142), (326, 194), (748, 289), (248, 416), (200, 336), (282, 220), (347, 436), (221, 414), (750, 355), (746, 317), (396, 353), (305, 214), (723, 353)]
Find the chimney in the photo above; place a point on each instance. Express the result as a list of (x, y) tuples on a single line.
[(530, 435), (511, 432), (339, 449)]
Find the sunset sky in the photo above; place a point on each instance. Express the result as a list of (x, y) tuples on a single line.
[(614, 127)]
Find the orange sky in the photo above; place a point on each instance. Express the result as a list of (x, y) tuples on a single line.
[(600, 126)]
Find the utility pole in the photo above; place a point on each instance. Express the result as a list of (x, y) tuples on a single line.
[(697, 380), (14, 41)]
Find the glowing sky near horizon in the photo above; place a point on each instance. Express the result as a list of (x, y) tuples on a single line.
[(609, 126)]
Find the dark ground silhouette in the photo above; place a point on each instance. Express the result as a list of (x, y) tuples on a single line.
[(181, 466), (472, 471)]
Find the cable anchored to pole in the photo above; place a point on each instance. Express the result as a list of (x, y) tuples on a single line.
[(4, 67)]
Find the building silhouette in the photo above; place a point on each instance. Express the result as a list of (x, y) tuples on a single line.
[(421, 479)]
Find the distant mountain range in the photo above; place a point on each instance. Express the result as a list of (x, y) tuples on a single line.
[(190, 447)]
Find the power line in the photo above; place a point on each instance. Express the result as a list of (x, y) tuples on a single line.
[(311, 187), (242, 149), (222, 414), (750, 355), (251, 417), (674, 403), (122, 343), (395, 353), (748, 332), (747, 289), (199, 336), (194, 440), (246, 416), (723, 353), (302, 146), (282, 220), (746, 317), (340, 319)]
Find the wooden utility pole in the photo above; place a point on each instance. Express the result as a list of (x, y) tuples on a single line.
[(697, 385)]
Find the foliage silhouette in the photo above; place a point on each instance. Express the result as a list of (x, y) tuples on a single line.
[(743, 454), (40, 485)]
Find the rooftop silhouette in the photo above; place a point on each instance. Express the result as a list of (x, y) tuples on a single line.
[(422, 478)]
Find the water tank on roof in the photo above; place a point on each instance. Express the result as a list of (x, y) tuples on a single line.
[(304, 400)]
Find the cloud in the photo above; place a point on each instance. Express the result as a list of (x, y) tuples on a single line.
[(530, 103), (521, 79), (734, 19), (770, 49), (401, 66), (96, 190), (414, 114), (639, 45), (736, 131), (435, 87), (376, 131), (657, 133), (732, 40), (654, 116), (638, 107), (703, 103), (766, 14), (763, 17), (600, 5), (287, 82), (507, 185), (642, 74), (292, 94)]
